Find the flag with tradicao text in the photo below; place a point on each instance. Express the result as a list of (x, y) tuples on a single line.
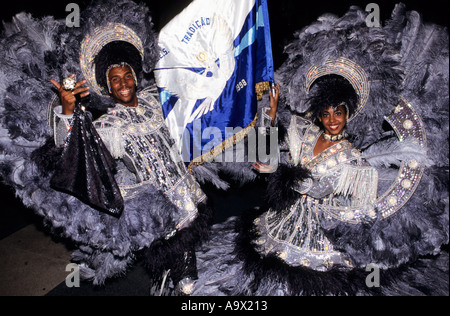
[(212, 56)]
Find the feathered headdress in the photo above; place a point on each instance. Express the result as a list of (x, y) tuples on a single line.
[(33, 51)]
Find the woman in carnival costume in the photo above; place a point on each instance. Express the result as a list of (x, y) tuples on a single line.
[(151, 203), (363, 179)]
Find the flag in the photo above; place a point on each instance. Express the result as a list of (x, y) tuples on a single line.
[(212, 56)]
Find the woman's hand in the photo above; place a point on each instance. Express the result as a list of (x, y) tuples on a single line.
[(69, 97)]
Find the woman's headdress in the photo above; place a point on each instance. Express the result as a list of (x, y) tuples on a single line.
[(338, 81)]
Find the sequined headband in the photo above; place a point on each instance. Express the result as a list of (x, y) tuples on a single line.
[(349, 70), (94, 42)]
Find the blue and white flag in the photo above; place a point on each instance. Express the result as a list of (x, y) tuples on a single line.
[(212, 55)]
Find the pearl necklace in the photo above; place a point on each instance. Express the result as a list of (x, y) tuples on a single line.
[(335, 138)]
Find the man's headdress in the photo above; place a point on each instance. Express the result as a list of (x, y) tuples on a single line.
[(109, 45)]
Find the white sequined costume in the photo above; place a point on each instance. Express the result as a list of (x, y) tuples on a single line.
[(162, 201)]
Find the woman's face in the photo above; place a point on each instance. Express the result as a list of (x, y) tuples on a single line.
[(334, 120)]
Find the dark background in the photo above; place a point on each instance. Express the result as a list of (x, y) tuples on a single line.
[(286, 16)]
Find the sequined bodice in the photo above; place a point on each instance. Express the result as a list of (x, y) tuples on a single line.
[(140, 139), (144, 142)]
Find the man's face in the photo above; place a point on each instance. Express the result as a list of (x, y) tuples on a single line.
[(123, 86)]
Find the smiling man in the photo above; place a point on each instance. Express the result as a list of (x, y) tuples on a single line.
[(164, 207), (122, 84)]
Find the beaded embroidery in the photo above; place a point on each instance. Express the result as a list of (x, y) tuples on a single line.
[(150, 155), (407, 124)]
